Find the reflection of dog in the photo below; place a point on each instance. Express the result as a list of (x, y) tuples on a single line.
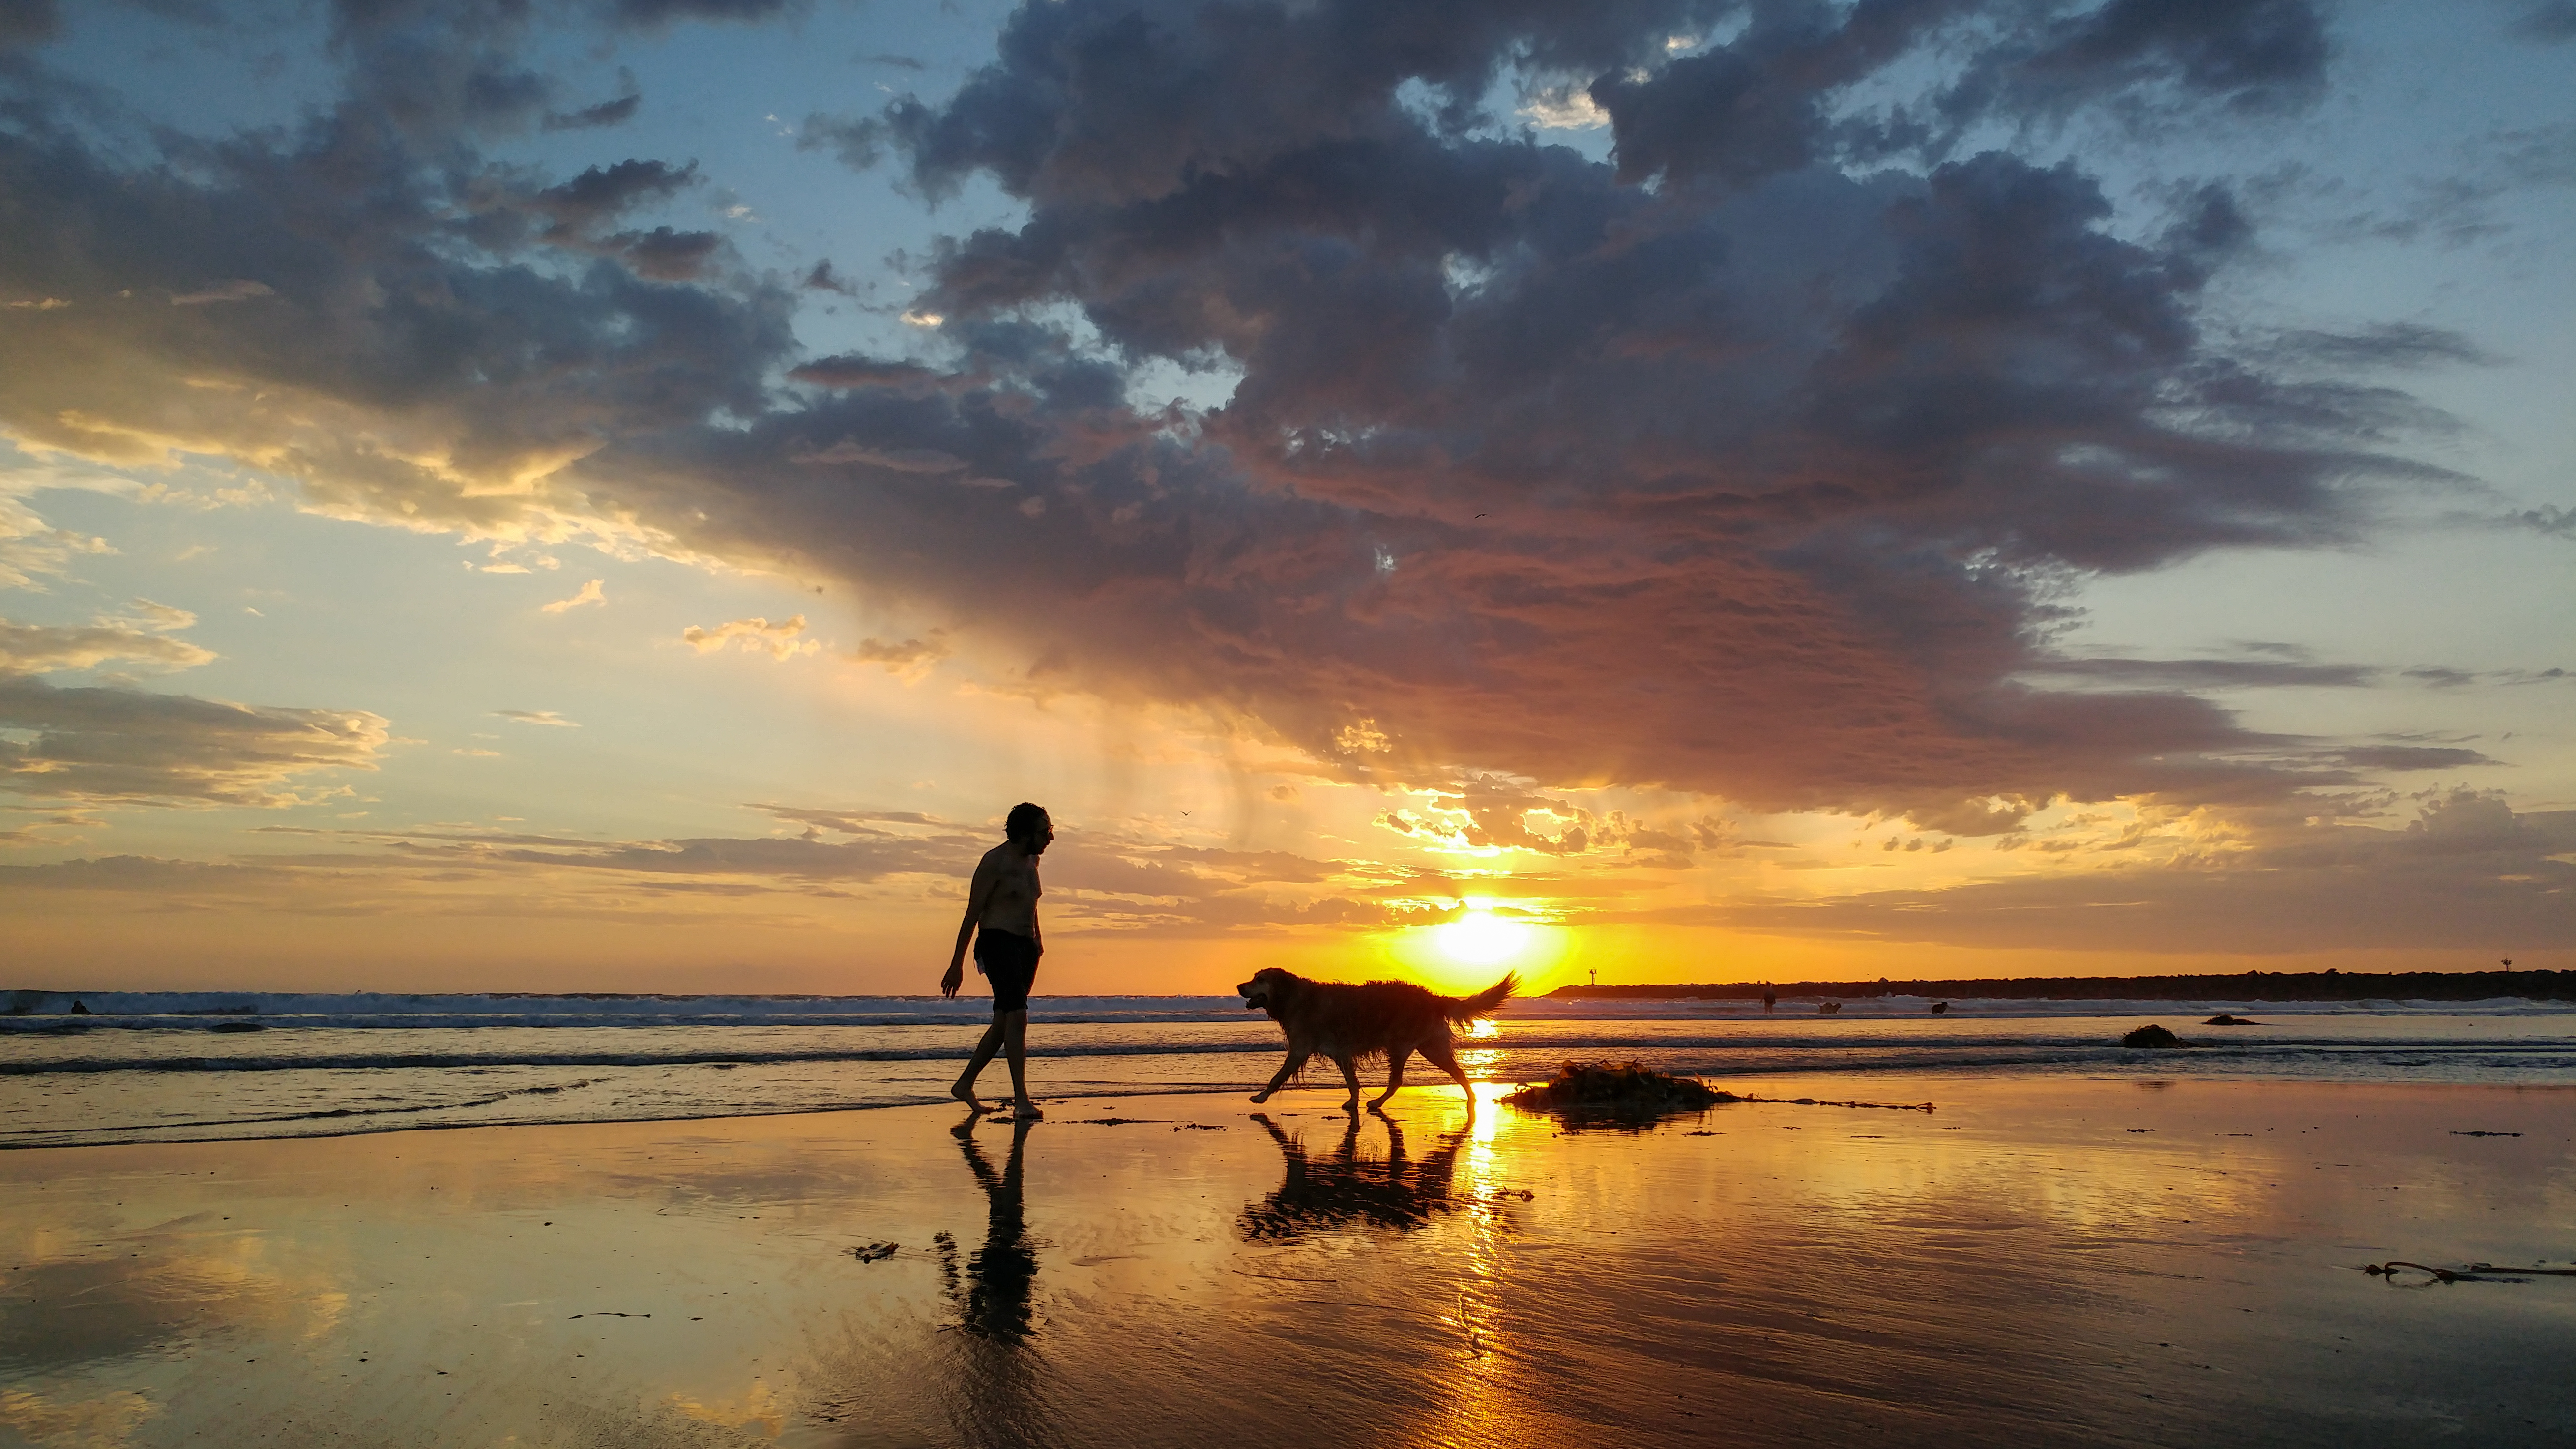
[(1325, 1193), (1350, 1024)]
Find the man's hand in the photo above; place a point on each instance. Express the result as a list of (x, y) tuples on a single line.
[(955, 978)]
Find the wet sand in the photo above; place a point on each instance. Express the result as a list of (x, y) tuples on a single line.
[(2040, 1261)]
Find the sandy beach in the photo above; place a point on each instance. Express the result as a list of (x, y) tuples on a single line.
[(2040, 1260)]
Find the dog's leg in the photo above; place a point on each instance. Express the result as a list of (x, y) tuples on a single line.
[(1287, 1069), (1350, 1079), (1394, 1074), (1444, 1056)]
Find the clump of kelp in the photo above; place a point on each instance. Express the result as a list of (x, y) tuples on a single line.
[(1630, 1095), (1620, 1089)]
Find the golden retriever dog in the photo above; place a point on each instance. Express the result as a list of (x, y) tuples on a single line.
[(1350, 1024)]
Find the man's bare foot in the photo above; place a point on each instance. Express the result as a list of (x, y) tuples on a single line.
[(1025, 1110), (966, 1094)]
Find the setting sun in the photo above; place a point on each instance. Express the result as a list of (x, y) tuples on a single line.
[(1481, 938)]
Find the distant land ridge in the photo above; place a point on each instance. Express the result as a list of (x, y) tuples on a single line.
[(2242, 986)]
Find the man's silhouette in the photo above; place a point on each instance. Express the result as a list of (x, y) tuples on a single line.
[(1002, 920)]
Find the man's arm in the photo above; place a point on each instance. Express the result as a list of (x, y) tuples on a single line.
[(979, 891)]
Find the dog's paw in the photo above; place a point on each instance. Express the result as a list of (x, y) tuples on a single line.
[(1261, 1096)]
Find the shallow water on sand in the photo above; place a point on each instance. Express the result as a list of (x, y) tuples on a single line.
[(212, 1066), (2038, 1261)]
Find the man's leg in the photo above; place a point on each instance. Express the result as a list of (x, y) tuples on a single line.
[(964, 1091), (1014, 1027)]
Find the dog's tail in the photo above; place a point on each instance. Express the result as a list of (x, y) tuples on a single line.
[(1468, 1008)]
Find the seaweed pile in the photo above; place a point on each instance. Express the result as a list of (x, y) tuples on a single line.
[(1618, 1089)]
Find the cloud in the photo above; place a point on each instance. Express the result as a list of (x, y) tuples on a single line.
[(590, 594), (756, 636), (616, 112), (29, 547), (665, 255), (2205, 674), (536, 717), (860, 143), (909, 659), (656, 13), (44, 648), (126, 745), (821, 278), (1753, 462), (2466, 872), (899, 460), (1120, 882), (2547, 22), (233, 291), (2549, 521)]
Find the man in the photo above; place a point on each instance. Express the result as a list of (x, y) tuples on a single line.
[(1002, 919)]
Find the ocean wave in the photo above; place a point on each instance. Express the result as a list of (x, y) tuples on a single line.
[(1717, 1051), (50, 1011)]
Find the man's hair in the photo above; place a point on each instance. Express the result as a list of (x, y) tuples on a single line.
[(1025, 819)]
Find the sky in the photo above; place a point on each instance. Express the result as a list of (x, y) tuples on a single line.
[(625, 495)]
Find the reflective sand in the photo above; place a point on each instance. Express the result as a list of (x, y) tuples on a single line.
[(2039, 1261)]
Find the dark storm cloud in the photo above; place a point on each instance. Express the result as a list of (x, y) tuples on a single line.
[(1757, 481), (1752, 483)]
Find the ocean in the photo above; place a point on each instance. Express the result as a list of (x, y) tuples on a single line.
[(198, 1066)]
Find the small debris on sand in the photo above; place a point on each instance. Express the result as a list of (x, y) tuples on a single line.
[(873, 1252), (1120, 1122), (2154, 1038), (2485, 1134), (2223, 1019)]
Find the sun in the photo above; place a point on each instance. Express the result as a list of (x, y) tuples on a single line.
[(1481, 938)]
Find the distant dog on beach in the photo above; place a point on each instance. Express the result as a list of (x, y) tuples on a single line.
[(1350, 1024)]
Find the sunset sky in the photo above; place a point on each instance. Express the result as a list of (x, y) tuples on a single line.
[(625, 494)]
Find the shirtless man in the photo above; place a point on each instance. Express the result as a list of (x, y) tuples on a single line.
[(1003, 903)]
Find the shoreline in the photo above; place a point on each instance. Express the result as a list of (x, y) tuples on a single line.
[(1490, 1089), (2040, 1261)]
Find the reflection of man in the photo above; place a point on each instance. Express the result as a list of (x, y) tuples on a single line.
[(1002, 919), (999, 1392), (1000, 1275)]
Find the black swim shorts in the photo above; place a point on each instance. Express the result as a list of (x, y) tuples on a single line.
[(1009, 960)]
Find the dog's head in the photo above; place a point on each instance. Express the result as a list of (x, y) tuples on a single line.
[(1267, 989)]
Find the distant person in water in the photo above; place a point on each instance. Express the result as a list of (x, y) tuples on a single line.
[(1002, 920)]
